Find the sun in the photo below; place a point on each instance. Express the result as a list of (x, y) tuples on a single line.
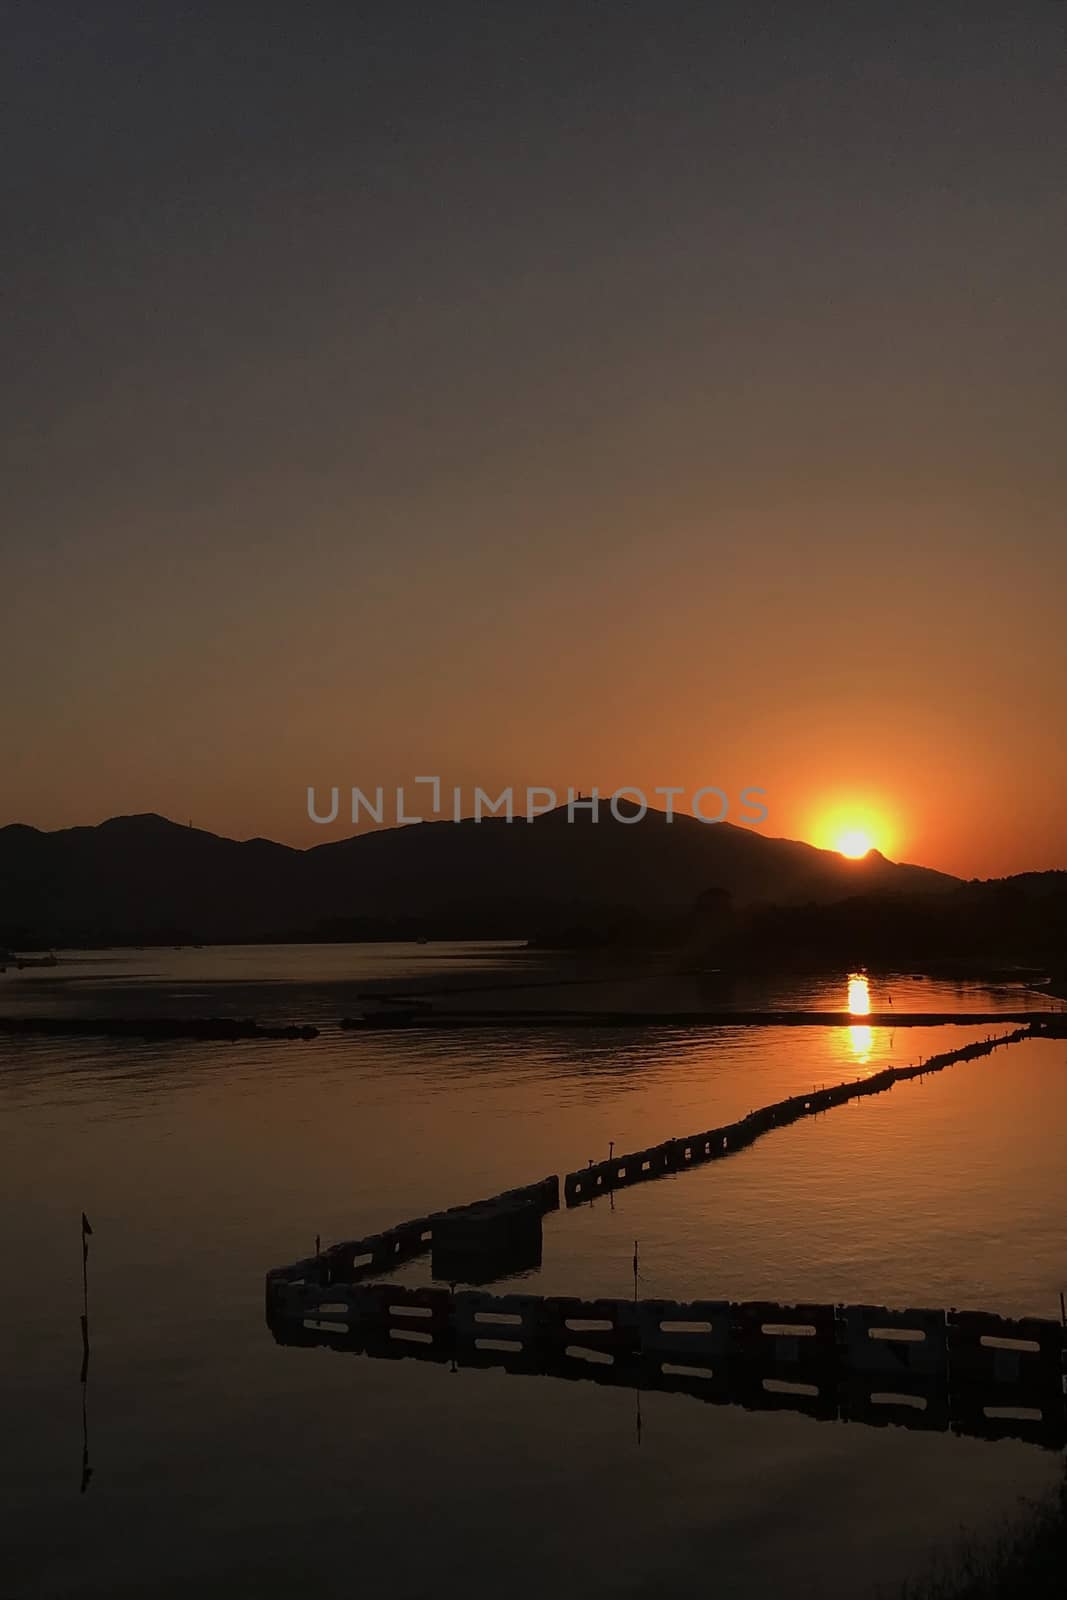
[(854, 825), (854, 843)]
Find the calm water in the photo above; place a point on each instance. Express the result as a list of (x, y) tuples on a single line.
[(226, 1463)]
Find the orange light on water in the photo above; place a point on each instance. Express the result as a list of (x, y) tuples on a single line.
[(861, 1042), (859, 994), (860, 1036)]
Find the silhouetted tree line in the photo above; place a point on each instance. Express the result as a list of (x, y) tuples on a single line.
[(1010, 920), (1022, 919)]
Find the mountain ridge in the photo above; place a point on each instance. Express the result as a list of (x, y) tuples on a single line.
[(145, 878)]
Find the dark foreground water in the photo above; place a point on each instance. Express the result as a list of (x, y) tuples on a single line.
[(223, 1464)]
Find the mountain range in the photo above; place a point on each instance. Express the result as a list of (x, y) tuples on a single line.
[(145, 879)]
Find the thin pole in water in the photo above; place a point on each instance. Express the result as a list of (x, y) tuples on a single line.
[(87, 1470), (635, 1271), (86, 1236)]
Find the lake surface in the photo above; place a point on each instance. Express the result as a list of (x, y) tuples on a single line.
[(227, 1464)]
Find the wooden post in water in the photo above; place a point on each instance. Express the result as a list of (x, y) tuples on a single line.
[(635, 1271)]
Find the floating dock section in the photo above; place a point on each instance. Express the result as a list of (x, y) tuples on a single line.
[(481, 1241)]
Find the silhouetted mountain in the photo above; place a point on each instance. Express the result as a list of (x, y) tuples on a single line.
[(535, 867), (144, 879)]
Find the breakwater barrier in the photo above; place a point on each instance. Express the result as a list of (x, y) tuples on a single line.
[(423, 1015), (148, 1028), (712, 1144), (970, 1371), (966, 1371), (489, 1239)]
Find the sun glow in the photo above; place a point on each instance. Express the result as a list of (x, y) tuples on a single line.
[(854, 826), (853, 843)]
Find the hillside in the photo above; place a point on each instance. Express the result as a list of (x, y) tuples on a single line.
[(144, 879)]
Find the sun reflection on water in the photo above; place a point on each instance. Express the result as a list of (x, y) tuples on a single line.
[(860, 1036), (859, 994), (862, 1041)]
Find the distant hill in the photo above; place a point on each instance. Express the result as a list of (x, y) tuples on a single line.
[(143, 879)]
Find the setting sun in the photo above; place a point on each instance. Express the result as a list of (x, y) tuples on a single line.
[(853, 842), (853, 825)]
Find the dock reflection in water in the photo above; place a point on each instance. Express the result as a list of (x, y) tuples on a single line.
[(1032, 1413)]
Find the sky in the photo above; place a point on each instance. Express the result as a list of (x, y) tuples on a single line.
[(571, 394)]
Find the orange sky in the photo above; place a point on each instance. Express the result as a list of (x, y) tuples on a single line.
[(676, 404)]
